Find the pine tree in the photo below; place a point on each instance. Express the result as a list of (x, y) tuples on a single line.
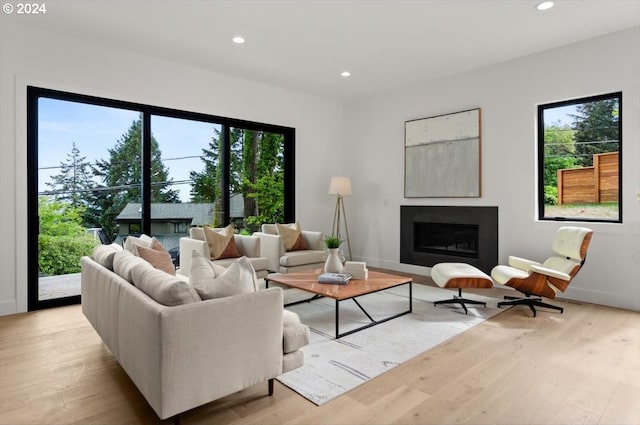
[(256, 171), (596, 122), (74, 179), (73, 185), (121, 176)]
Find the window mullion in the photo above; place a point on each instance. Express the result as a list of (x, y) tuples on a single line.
[(146, 172)]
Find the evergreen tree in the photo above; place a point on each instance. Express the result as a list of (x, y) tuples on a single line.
[(205, 186), (596, 122), (74, 180), (255, 170), (121, 176), (249, 172)]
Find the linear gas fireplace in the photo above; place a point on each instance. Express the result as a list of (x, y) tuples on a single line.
[(431, 235)]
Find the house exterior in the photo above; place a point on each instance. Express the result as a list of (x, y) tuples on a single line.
[(171, 221)]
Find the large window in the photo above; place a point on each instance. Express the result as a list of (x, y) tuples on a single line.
[(580, 159), (100, 170)]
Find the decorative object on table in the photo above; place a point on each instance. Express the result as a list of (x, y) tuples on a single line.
[(334, 260), (442, 156), (357, 269), (334, 278), (340, 187)]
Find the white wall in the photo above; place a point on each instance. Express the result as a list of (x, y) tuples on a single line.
[(29, 57), (508, 94)]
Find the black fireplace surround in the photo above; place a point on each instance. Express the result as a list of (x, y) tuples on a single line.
[(447, 234)]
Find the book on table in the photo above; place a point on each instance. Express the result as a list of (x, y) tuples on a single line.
[(334, 278)]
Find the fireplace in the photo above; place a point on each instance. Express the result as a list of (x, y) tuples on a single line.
[(430, 235)]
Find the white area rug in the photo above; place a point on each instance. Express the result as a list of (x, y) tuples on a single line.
[(333, 367)]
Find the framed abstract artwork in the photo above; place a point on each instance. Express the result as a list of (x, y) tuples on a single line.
[(442, 156)]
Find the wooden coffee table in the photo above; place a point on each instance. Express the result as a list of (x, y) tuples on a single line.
[(377, 281)]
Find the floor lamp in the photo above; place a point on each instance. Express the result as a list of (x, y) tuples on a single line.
[(340, 187)]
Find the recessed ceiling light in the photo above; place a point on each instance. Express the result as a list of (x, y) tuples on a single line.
[(544, 5), (345, 74), (238, 39)]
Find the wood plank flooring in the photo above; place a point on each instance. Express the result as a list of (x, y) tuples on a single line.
[(580, 367)]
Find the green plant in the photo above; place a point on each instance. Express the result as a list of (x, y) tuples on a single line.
[(62, 239), (550, 195), (60, 255), (333, 242)]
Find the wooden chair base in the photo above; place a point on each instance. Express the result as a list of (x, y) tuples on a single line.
[(460, 300), (528, 301)]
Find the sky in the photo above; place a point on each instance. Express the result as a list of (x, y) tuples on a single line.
[(562, 114), (95, 129)]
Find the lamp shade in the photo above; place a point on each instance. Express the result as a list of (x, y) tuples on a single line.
[(340, 186)]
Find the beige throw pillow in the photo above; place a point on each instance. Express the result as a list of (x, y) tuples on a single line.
[(292, 236), (213, 281), (124, 262), (221, 243), (103, 254), (163, 288)]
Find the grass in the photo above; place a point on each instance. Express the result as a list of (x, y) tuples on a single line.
[(606, 210)]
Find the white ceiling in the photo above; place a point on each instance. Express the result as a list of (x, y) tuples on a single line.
[(304, 45)]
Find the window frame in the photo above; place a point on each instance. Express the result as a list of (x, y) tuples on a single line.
[(541, 156), (146, 111)]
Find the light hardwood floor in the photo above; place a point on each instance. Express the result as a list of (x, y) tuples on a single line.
[(580, 367)]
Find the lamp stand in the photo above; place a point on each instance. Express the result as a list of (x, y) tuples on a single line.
[(335, 230)]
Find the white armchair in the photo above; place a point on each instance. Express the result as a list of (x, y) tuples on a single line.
[(247, 245), (280, 260), (536, 280)]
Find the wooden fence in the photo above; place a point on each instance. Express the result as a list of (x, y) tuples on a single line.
[(595, 184)]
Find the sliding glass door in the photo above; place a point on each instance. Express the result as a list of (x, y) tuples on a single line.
[(100, 170)]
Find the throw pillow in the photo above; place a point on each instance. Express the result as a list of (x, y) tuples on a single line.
[(103, 254), (221, 243), (292, 236), (124, 262), (202, 269), (158, 258), (211, 282), (132, 241), (163, 288)]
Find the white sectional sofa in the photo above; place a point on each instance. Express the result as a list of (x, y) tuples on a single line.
[(185, 355)]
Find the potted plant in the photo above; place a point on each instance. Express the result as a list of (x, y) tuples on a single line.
[(332, 242), (333, 263)]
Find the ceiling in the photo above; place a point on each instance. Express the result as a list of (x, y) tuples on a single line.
[(304, 45)]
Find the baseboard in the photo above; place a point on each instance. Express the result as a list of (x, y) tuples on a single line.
[(610, 299), (8, 307)]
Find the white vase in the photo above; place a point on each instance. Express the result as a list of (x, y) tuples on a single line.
[(333, 263)]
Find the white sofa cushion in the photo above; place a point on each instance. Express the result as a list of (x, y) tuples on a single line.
[(299, 258), (103, 254), (162, 287), (124, 262), (214, 281)]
